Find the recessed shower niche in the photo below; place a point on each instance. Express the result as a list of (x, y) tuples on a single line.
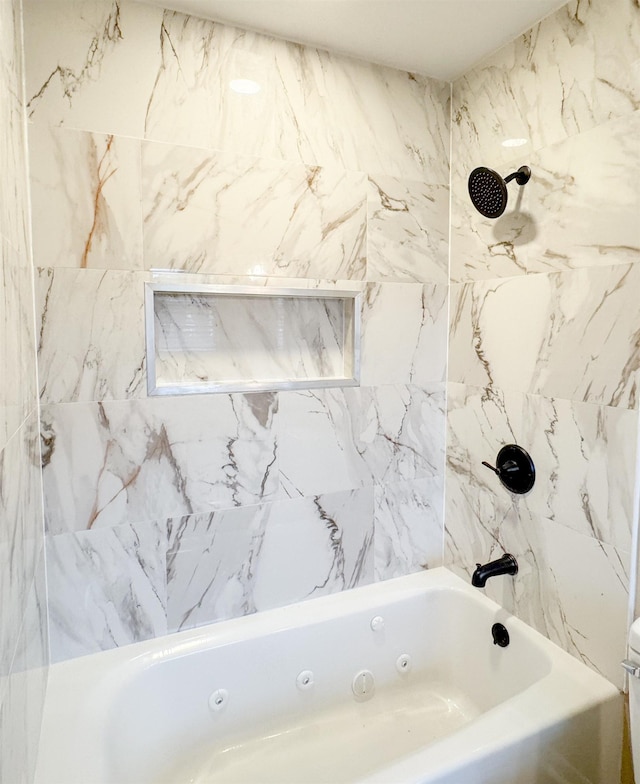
[(208, 338)]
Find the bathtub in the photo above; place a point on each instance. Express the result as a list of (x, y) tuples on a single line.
[(395, 682)]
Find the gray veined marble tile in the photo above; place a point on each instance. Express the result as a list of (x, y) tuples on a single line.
[(578, 209), (213, 212), (310, 106), (332, 440), (99, 354), (408, 230), (85, 194), (404, 334), (583, 60), (408, 526), (110, 463), (235, 562), (315, 546), (554, 590), (107, 588), (98, 71), (570, 335), (584, 456)]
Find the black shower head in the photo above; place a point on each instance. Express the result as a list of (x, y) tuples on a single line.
[(488, 190)]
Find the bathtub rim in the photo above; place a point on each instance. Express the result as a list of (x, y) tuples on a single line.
[(98, 675)]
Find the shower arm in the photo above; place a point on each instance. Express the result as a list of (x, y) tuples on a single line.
[(521, 176)]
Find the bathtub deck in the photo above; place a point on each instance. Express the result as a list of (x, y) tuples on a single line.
[(341, 745)]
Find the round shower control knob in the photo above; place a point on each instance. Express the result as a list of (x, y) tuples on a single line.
[(363, 684)]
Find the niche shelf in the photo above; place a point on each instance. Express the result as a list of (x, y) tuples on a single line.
[(208, 338)]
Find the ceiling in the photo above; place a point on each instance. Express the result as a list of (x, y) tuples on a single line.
[(439, 38)]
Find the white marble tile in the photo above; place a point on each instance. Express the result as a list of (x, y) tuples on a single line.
[(408, 527), (98, 71), (584, 456), (407, 230), (207, 211), (85, 196), (332, 440), (572, 588), (571, 335), (211, 564), (375, 119), (312, 106), (404, 334), (578, 210), (109, 463), (106, 588), (577, 69), (238, 561), (99, 354)]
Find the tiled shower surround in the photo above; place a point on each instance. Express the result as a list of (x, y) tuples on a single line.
[(165, 513), (544, 345)]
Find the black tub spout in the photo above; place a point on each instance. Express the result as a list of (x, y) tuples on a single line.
[(505, 565)]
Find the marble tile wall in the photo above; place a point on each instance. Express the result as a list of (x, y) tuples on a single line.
[(23, 621), (168, 513), (545, 328)]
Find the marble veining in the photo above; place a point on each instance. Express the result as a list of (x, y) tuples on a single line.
[(404, 333), (332, 440), (238, 561), (105, 358), (106, 588), (584, 455), (113, 462), (570, 335), (578, 209), (85, 192), (407, 230), (408, 526), (583, 60), (213, 212)]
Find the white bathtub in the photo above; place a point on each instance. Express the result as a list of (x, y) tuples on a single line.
[(462, 711)]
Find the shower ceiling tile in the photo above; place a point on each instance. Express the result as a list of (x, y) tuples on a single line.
[(570, 335), (85, 192), (207, 211), (407, 230)]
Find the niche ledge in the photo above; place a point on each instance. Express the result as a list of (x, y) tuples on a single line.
[(209, 338)]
